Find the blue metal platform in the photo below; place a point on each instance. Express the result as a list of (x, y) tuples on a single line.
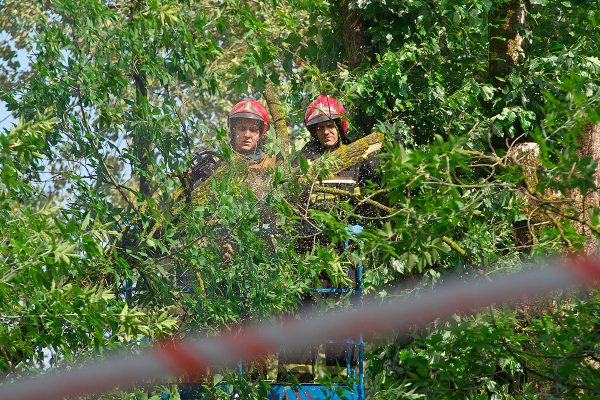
[(354, 368), (313, 391)]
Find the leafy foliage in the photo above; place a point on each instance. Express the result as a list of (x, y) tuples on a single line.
[(97, 251)]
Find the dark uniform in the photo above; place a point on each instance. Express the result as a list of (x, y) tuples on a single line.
[(349, 180)]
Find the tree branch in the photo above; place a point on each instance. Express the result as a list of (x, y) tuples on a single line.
[(456, 247), (99, 156), (281, 129), (339, 192), (345, 193)]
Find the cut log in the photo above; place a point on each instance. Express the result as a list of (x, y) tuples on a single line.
[(357, 151)]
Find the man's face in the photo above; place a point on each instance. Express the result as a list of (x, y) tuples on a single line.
[(246, 134), (327, 133)]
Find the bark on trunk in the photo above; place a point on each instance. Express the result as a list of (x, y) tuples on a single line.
[(590, 147), (505, 52), (507, 19), (353, 34)]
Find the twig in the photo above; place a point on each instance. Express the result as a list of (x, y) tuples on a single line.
[(99, 156), (345, 193), (560, 229)]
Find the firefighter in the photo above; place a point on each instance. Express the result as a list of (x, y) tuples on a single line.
[(247, 123), (325, 120)]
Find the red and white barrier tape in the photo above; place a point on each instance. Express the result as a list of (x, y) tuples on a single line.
[(195, 355)]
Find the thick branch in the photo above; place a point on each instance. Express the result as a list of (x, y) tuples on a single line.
[(281, 129), (345, 155), (237, 167), (357, 151)]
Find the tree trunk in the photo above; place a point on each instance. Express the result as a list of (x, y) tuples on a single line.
[(507, 19), (527, 157), (352, 34), (140, 138), (590, 147), (141, 141), (505, 52)]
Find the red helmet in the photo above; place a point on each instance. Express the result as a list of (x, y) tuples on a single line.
[(325, 108), (252, 109)]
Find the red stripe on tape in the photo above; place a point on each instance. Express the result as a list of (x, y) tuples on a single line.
[(587, 268), (182, 359)]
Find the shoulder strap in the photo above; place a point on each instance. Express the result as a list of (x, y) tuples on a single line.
[(203, 166)]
